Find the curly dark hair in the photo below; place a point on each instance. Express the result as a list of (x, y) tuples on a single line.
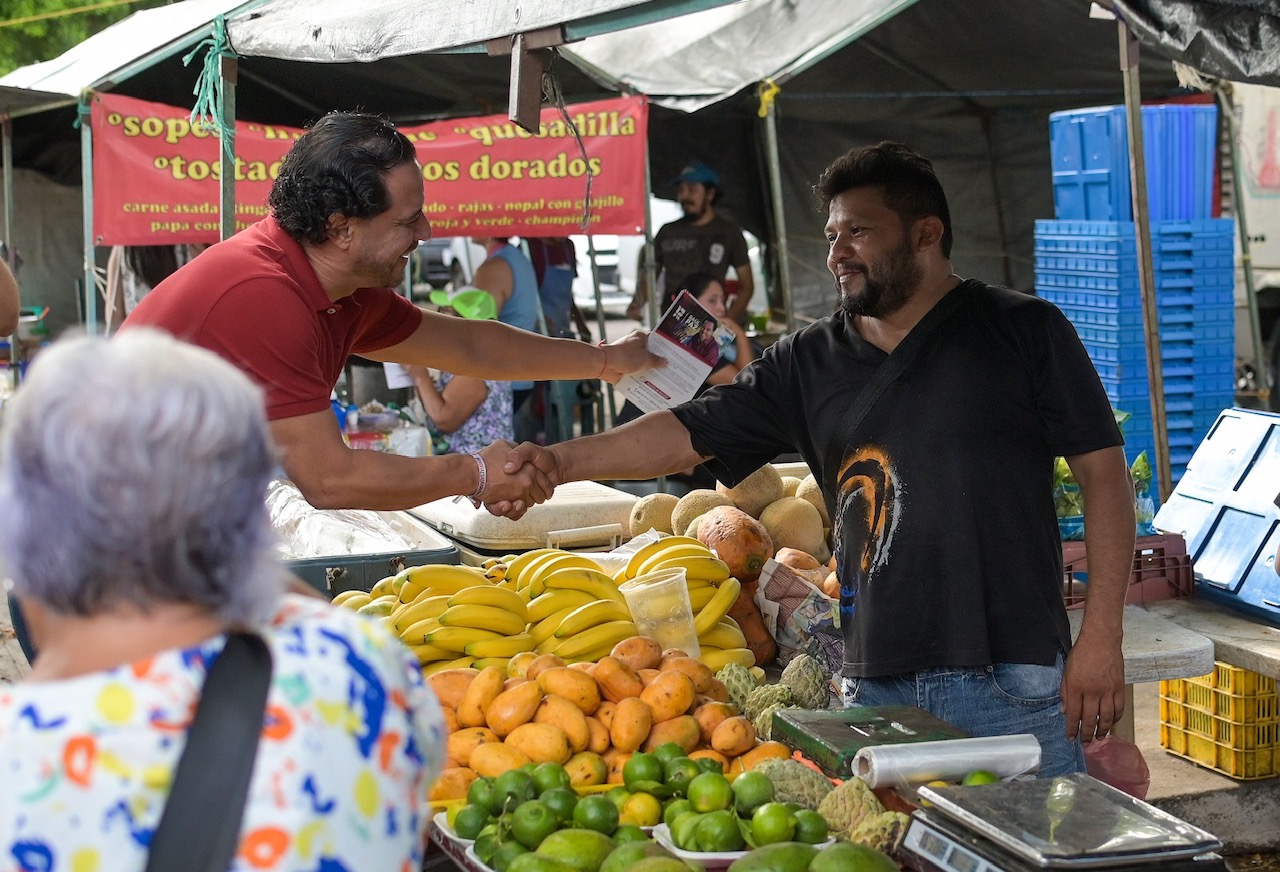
[(910, 186), (337, 167)]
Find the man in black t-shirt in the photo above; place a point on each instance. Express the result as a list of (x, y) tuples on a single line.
[(700, 241), (941, 498)]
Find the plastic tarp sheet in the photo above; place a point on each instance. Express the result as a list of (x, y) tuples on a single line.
[(1230, 39)]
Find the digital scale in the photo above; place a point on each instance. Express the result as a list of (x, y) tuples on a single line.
[(1072, 822)]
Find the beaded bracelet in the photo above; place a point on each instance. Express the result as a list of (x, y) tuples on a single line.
[(483, 472)]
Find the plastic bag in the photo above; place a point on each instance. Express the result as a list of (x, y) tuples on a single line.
[(1118, 762), (1143, 503), (795, 611)]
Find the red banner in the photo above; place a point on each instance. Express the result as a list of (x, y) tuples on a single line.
[(156, 175)]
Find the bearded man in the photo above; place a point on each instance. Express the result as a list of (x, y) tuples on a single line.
[(930, 408)]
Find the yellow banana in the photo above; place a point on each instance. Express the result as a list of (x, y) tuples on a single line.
[(410, 591), (444, 577), (718, 607), (499, 621), (719, 658), (507, 646), (546, 628), (427, 607), (647, 551), (458, 638), (490, 562), (483, 662), (416, 633), (723, 635), (593, 613), (496, 597), (593, 656), (441, 665), (509, 584), (386, 586), (429, 653), (591, 581), (554, 600), (517, 565), (697, 567), (548, 645), (600, 636), (758, 674), (496, 573), (352, 599), (700, 595), (539, 574), (679, 551)]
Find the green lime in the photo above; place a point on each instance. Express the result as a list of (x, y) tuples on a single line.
[(674, 809), (470, 821), (811, 827), (685, 829), (512, 788), (618, 796), (718, 831), (482, 793), (772, 822), (549, 775), (710, 792), (750, 791), (629, 833), (506, 852), (642, 767), (679, 772), (561, 801), (532, 822), (597, 813), (980, 776), (668, 751), (486, 844)]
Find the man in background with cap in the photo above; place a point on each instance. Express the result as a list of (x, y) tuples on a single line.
[(699, 242)]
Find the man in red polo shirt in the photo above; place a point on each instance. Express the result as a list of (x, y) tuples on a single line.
[(288, 300)]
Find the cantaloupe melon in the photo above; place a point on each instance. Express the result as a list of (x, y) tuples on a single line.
[(756, 491)]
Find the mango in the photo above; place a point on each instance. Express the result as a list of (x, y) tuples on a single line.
[(849, 857), (784, 857), (580, 850)]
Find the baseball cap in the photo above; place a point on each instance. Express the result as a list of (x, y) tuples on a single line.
[(699, 173), (470, 303)]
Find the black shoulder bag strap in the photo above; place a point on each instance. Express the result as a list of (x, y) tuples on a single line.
[(200, 826), (888, 372)]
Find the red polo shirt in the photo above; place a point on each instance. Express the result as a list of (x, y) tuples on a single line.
[(255, 300)]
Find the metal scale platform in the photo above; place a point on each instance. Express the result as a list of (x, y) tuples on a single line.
[(1072, 822)]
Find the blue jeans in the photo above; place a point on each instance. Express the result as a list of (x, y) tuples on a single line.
[(997, 700)]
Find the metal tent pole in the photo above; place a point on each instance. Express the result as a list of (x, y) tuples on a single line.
[(1146, 277), (228, 68), (600, 325), (651, 269), (769, 109), (86, 179)]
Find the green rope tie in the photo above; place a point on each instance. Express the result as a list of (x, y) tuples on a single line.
[(210, 100)]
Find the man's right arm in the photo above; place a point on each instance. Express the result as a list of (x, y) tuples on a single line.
[(331, 475), (654, 444)]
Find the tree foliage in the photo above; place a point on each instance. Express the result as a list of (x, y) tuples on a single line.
[(48, 37)]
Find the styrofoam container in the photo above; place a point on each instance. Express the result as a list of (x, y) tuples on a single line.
[(582, 514)]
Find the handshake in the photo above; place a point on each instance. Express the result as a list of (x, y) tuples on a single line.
[(517, 477)]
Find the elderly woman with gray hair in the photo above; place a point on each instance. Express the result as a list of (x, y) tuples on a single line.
[(135, 563)]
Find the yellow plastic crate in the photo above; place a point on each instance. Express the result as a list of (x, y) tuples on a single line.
[(1244, 765), (1229, 692)]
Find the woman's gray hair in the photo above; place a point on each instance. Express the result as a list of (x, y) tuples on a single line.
[(135, 471)]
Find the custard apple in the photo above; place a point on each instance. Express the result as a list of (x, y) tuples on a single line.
[(808, 681), (795, 782), (882, 831), (739, 681), (847, 806), (764, 721), (763, 697)]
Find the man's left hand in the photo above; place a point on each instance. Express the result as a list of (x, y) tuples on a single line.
[(629, 354), (1093, 688)]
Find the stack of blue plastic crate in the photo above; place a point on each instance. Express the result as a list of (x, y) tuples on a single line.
[(1086, 264)]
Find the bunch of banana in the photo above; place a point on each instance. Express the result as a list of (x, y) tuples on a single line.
[(495, 569), (532, 582), (352, 599)]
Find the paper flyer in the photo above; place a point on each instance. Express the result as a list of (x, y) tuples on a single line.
[(686, 338)]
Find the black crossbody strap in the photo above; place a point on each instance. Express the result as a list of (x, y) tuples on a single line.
[(200, 826), (888, 372)]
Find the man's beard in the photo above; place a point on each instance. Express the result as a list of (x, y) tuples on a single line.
[(887, 284)]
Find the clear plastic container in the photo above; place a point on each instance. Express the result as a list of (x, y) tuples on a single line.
[(659, 604)]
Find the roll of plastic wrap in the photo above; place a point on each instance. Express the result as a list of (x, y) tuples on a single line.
[(948, 760)]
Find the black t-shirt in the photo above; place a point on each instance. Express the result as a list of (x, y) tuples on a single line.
[(685, 248), (948, 548)]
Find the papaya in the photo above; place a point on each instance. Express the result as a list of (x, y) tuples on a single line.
[(738, 539)]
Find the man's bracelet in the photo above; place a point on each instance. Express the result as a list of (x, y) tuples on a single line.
[(483, 472), (603, 346)]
